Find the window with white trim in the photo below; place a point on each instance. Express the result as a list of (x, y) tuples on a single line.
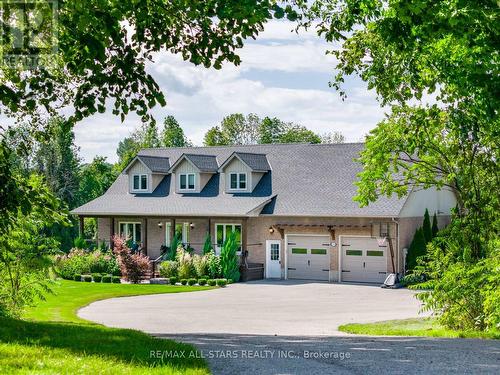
[(237, 181), (130, 231), (140, 182), (221, 233), (181, 230), (187, 181)]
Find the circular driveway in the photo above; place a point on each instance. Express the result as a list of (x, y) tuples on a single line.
[(260, 308)]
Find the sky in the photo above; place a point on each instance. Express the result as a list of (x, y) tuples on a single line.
[(282, 74)]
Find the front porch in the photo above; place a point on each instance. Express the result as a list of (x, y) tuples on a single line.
[(153, 236)]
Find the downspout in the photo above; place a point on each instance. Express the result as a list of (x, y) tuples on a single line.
[(397, 243)]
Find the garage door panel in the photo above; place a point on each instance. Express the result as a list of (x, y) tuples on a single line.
[(308, 257), (363, 260)]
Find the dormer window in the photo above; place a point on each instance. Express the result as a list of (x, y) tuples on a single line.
[(238, 181), (187, 181), (140, 182)]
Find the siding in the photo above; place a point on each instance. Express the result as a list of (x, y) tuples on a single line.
[(258, 233), (237, 166), (186, 166), (139, 168)]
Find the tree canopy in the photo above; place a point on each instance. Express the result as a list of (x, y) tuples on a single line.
[(103, 48), (237, 129), (172, 134)]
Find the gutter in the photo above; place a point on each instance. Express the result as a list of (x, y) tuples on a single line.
[(395, 221)]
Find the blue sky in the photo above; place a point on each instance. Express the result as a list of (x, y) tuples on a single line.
[(282, 74)]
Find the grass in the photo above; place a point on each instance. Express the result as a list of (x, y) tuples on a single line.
[(426, 327), (69, 296), (53, 340)]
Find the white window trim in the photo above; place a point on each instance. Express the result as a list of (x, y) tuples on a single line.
[(187, 181), (140, 178), (238, 181), (168, 228), (219, 248), (134, 230), (185, 231)]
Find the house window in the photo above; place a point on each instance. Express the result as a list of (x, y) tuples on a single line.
[(384, 230), (238, 181), (223, 230), (140, 182), (186, 181), (131, 231), (181, 230)]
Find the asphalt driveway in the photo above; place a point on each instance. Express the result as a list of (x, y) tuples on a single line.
[(257, 308), (291, 328)]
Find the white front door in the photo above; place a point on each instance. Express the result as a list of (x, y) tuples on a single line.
[(273, 259)]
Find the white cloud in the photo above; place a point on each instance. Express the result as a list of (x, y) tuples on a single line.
[(199, 98)]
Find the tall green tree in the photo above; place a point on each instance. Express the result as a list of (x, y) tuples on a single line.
[(26, 249), (416, 250), (95, 178), (436, 64), (415, 50), (145, 136), (271, 130), (215, 137), (299, 134), (57, 160), (237, 129), (172, 134), (426, 227), (435, 227), (332, 137)]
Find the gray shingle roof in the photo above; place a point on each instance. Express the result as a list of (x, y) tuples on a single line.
[(155, 164), (205, 163), (306, 180), (257, 162)]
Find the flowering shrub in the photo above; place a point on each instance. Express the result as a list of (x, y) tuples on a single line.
[(79, 262), (186, 268), (168, 268), (200, 264), (132, 266), (213, 265)]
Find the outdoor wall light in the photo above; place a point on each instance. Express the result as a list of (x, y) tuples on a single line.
[(191, 225), (160, 224), (271, 230)]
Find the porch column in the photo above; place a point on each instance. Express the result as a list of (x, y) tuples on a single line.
[(244, 234), (111, 231), (145, 237), (172, 229), (81, 221)]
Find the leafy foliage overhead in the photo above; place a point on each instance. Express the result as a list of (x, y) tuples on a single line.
[(104, 46)]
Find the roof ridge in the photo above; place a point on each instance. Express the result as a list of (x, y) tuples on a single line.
[(186, 154), (153, 156)]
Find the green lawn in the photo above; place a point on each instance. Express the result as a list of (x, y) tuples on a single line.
[(69, 296), (413, 327), (53, 340)]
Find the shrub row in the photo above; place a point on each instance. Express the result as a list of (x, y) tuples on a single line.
[(97, 278), (201, 282), (83, 262)]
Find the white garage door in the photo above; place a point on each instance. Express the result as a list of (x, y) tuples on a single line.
[(308, 257), (363, 260)]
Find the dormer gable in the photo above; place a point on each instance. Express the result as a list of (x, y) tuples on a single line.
[(191, 172), (242, 171), (145, 173)]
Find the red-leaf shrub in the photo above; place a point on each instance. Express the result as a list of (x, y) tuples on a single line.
[(132, 266)]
